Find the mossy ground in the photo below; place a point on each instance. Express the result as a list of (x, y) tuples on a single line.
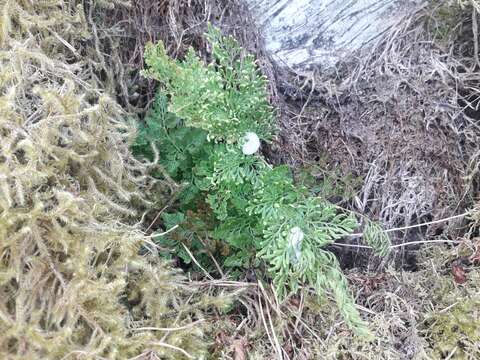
[(72, 282)]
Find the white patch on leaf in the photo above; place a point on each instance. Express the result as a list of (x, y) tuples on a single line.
[(251, 143), (295, 241)]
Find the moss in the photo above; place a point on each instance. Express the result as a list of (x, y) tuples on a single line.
[(72, 282), (450, 318), (455, 330), (445, 22)]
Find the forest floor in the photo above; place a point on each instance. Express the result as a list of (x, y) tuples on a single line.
[(392, 134)]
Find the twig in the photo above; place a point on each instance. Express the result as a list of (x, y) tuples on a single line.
[(448, 307), (264, 321), (399, 245), (217, 265), (222, 283), (475, 35), (451, 354), (163, 233), (174, 348), (65, 42), (274, 335), (156, 218), (197, 263), (418, 225), (149, 328), (276, 343)]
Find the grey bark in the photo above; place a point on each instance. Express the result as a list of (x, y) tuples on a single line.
[(302, 33)]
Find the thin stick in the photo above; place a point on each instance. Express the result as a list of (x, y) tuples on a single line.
[(274, 335), (419, 225), (149, 328), (222, 274), (156, 218), (475, 36), (164, 233), (174, 348), (276, 343), (451, 354), (220, 282), (399, 245), (265, 322), (197, 263), (213, 258)]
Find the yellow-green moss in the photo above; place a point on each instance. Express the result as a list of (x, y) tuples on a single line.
[(72, 284), (455, 330)]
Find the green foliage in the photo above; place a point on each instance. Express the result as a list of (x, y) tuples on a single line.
[(181, 148), (329, 183), (254, 208), (226, 98), (377, 238)]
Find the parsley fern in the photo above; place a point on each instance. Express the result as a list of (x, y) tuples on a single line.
[(255, 208)]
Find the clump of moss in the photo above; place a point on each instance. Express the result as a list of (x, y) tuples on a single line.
[(450, 321), (456, 330), (72, 282)]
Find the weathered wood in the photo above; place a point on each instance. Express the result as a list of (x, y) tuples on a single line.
[(300, 33)]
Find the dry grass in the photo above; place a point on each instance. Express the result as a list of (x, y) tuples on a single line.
[(427, 314), (402, 116)]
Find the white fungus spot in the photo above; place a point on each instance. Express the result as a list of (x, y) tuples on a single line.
[(251, 143), (295, 241)]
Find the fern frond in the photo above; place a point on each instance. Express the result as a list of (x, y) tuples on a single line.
[(227, 98), (376, 237), (255, 208)]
